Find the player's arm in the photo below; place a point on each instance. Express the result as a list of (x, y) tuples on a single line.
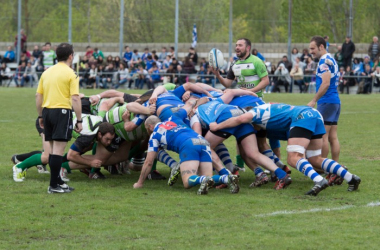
[(230, 94), (157, 91), (109, 103), (147, 167), (80, 146), (196, 125), (207, 87), (263, 74), (226, 82), (264, 82), (326, 77), (137, 108), (196, 89), (77, 106), (94, 99), (232, 122)]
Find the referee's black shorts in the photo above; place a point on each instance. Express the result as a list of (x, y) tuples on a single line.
[(58, 124)]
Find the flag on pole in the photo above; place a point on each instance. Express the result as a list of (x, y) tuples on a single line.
[(195, 36)]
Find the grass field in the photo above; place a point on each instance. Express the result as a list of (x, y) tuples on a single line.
[(109, 214)]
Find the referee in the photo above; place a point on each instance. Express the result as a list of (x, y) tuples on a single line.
[(57, 94)]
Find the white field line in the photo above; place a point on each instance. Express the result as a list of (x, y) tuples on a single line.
[(313, 210)]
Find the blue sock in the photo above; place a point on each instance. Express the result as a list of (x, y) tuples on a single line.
[(269, 153), (305, 167), (222, 151), (195, 180), (224, 172), (220, 179), (165, 158), (333, 167), (280, 173), (258, 171)]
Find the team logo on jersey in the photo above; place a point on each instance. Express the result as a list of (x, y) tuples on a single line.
[(324, 67), (168, 125)]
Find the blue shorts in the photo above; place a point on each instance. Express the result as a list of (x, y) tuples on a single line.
[(330, 112), (240, 132), (311, 120), (195, 149), (274, 143)]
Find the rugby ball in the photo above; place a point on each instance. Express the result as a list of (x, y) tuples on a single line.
[(216, 59)]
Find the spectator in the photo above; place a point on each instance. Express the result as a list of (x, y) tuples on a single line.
[(181, 76), (175, 62), (84, 74), (271, 68), (339, 57), (301, 64), (24, 59), (93, 78), (374, 49), (158, 63), (155, 77), (149, 62), (92, 61), (201, 73), (144, 56), (48, 56), (9, 55), (297, 74), (376, 76), (163, 54), (346, 80), (294, 55), (285, 61), (255, 52), (327, 43), (97, 54), (283, 78), (166, 62), (89, 51), (204, 63), (305, 55), (135, 56), (367, 61), (123, 75), (127, 57), (348, 49), (357, 67), (141, 62), (172, 51), (171, 71), (23, 41), (141, 77), (101, 61), (117, 62), (19, 73), (109, 60), (36, 52), (341, 79), (5, 73), (193, 55), (365, 86), (309, 70), (100, 76), (209, 75), (108, 75), (188, 66), (154, 53)]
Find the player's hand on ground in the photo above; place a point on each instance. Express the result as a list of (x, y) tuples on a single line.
[(213, 126), (138, 185), (78, 127), (96, 163)]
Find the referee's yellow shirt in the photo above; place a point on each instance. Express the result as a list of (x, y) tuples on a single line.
[(57, 85)]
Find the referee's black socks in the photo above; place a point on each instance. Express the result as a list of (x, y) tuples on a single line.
[(55, 162)]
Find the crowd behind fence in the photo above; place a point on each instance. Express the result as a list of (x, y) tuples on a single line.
[(138, 70)]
